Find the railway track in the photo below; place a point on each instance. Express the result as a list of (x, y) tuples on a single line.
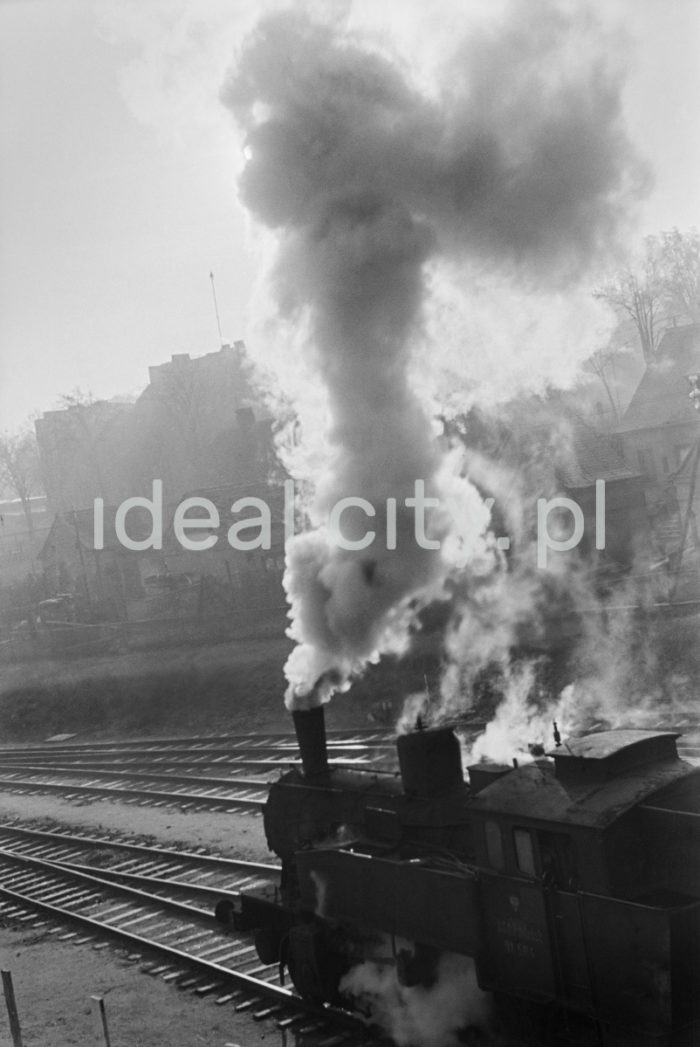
[(191, 774), (158, 790), (203, 746), (267, 750), (152, 902), (201, 774), (111, 855)]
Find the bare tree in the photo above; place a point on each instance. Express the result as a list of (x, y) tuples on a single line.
[(600, 363), (638, 294), (80, 445), (661, 285), (19, 469), (77, 397), (679, 256)]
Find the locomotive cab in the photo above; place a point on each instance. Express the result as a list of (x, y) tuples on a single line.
[(586, 907)]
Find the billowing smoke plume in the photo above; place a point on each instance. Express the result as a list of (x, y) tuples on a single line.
[(518, 161), (416, 1016)]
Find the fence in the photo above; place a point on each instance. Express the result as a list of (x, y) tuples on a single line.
[(97, 1009)]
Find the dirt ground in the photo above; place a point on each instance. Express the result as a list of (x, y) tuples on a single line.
[(54, 980), (234, 835), (220, 687)]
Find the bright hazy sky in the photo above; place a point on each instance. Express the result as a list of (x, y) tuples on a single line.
[(117, 178)]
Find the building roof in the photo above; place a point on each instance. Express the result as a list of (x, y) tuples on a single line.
[(223, 497), (661, 398), (79, 524), (595, 456)]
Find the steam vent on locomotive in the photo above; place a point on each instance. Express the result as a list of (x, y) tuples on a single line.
[(573, 881)]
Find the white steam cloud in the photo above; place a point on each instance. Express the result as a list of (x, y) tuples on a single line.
[(418, 1016), (517, 164)]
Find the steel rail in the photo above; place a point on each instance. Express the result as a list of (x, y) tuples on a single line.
[(76, 844), (203, 743), (156, 761), (224, 759), (267, 766), (204, 800), (149, 776), (157, 884)]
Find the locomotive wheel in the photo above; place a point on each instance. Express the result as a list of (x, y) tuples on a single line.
[(267, 944), (526, 1022), (224, 914), (315, 965)]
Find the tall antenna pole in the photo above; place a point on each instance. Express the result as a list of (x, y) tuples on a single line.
[(216, 309)]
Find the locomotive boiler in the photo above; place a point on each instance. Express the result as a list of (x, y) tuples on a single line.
[(573, 881)]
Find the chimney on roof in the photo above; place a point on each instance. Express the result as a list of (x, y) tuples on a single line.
[(245, 416)]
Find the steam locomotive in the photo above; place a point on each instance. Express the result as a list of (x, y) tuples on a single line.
[(572, 881)]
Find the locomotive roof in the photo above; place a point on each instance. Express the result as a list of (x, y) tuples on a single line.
[(608, 753), (605, 744), (594, 779)]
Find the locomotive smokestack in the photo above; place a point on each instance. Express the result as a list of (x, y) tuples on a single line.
[(430, 762), (310, 727)]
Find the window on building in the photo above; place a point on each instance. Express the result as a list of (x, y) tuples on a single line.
[(682, 451), (645, 457), (558, 859), (494, 845), (524, 851)]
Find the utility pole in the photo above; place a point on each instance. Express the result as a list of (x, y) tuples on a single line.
[(694, 397), (216, 309), (83, 569)]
